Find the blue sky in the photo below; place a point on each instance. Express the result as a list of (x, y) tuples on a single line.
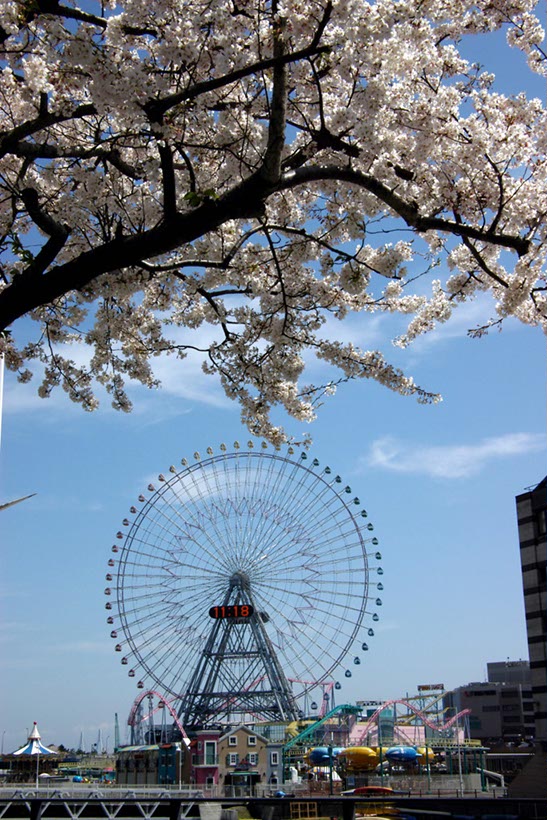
[(439, 483)]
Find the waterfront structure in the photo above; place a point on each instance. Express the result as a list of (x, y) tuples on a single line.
[(237, 760), (165, 764)]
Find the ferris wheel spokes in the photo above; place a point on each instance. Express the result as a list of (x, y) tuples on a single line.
[(272, 532)]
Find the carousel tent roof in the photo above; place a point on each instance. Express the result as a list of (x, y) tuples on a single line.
[(34, 745)]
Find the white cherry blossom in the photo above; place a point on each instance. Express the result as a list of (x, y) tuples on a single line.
[(259, 167)]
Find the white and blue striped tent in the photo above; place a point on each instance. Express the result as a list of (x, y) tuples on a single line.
[(34, 745)]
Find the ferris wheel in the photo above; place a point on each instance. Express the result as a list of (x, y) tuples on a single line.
[(238, 572)]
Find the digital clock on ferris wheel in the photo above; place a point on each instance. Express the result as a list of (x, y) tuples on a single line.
[(233, 611)]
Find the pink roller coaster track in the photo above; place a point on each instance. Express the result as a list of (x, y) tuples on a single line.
[(438, 727), (131, 720)]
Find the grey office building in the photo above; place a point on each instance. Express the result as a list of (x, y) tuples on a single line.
[(531, 517), (502, 709)]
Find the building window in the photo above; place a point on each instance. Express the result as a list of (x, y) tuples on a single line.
[(233, 759), (251, 740), (482, 693), (210, 781), (232, 741), (274, 758), (210, 753), (252, 757)]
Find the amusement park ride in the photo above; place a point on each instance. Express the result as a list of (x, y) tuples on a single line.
[(238, 588)]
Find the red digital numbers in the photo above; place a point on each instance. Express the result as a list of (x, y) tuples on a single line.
[(231, 611)]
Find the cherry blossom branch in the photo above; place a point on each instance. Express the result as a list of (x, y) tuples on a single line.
[(409, 211), (58, 234), (175, 231), (243, 201), (156, 108), (54, 8), (279, 272), (271, 165), (10, 140), (481, 262), (168, 181), (320, 241), (34, 151)]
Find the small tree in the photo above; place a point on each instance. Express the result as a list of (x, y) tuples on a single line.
[(244, 165)]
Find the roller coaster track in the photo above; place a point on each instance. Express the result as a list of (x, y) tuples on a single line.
[(132, 719), (408, 719), (437, 727), (343, 709)]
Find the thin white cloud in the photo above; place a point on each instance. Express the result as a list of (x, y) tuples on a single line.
[(378, 332), (186, 380), (10, 592), (16, 630), (22, 398), (97, 647), (179, 380), (25, 662), (365, 330), (449, 461), (387, 626), (466, 317)]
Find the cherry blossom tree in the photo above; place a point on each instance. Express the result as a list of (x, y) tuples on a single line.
[(258, 167)]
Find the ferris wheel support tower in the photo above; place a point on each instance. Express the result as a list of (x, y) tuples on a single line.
[(238, 640)]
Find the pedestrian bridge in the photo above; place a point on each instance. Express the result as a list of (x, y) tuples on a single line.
[(147, 804)]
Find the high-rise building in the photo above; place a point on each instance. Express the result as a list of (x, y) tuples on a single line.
[(502, 709), (508, 672), (532, 529), (531, 517)]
